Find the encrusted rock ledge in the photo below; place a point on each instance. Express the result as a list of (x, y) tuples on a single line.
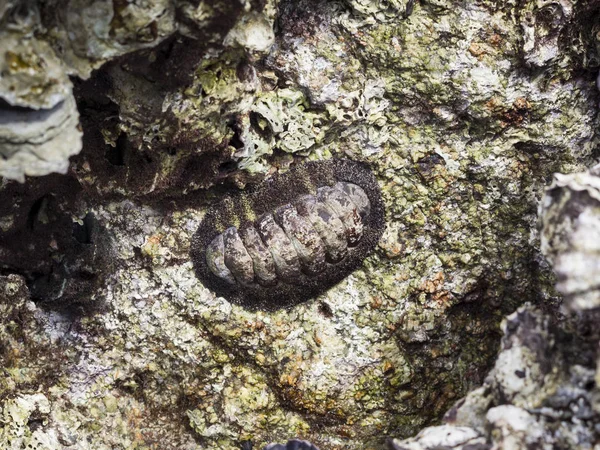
[(152, 112)]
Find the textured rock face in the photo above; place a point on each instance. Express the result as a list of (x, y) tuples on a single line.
[(463, 111), (38, 116), (571, 236), (543, 390)]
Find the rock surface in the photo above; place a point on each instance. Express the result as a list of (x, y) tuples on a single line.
[(571, 236), (39, 122), (463, 110), (543, 390), (541, 393)]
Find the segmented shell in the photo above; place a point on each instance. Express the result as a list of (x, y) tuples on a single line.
[(298, 234)]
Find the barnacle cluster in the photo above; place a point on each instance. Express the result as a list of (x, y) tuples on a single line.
[(294, 236)]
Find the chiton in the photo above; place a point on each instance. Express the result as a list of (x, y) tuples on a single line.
[(294, 236)]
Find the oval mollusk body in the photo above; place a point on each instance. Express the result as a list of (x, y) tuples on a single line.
[(264, 266), (287, 263), (215, 259), (357, 196), (304, 238), (316, 223), (345, 209), (237, 259), (327, 224)]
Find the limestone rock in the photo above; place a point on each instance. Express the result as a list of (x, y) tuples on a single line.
[(540, 393), (462, 110), (571, 236), (39, 121)]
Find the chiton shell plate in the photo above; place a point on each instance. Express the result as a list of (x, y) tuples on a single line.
[(291, 238)]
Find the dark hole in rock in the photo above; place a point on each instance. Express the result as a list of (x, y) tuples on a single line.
[(116, 155), (147, 158), (34, 424), (245, 72), (84, 233), (38, 212), (228, 167), (277, 152), (261, 125), (325, 309), (167, 50), (236, 140), (85, 275)]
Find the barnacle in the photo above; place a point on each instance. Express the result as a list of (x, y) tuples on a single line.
[(295, 236)]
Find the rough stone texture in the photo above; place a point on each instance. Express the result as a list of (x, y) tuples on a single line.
[(464, 110), (543, 390), (540, 394), (39, 122), (571, 236)]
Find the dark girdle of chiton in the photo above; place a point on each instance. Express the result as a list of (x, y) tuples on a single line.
[(293, 237)]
